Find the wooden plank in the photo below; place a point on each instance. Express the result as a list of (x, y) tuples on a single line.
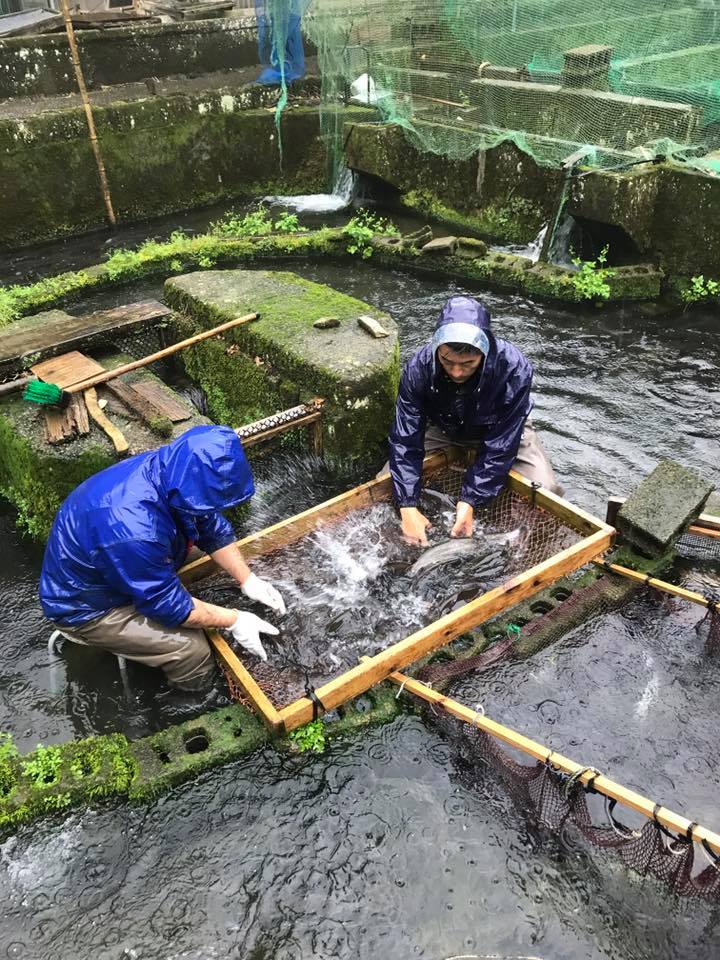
[(161, 397), (281, 428), (439, 634), (72, 331), (118, 439), (293, 528), (260, 701), (570, 515), (704, 532), (67, 369), (63, 425), (584, 773), (134, 401)]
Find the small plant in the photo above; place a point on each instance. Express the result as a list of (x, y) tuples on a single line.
[(362, 228), (590, 281), (310, 737), (42, 765), (288, 224), (8, 764), (254, 224), (463, 98), (700, 289)]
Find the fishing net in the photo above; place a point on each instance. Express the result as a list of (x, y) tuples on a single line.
[(620, 83), (351, 589), (559, 803)]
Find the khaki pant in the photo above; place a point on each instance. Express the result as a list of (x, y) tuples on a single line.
[(183, 653), (531, 460)]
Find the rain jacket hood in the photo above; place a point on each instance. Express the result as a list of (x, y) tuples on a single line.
[(487, 412), (205, 470), (120, 537)]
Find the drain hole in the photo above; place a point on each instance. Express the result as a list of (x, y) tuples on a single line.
[(163, 756), (238, 732), (541, 607), (85, 768), (196, 741), (561, 593)]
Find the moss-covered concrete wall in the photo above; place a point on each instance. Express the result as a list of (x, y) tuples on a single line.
[(356, 374), (161, 154), (31, 66), (672, 214)]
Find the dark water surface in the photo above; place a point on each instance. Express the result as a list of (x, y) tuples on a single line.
[(377, 848)]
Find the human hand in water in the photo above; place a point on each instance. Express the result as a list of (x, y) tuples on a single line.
[(263, 592), (247, 629), (464, 520), (414, 525)]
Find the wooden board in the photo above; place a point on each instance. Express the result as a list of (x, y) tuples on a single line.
[(118, 438), (359, 679), (63, 425), (256, 696), (135, 402), (71, 332), (161, 398), (584, 772), (67, 369)]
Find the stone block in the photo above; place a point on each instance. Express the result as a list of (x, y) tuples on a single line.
[(660, 508), (441, 246), (587, 66)]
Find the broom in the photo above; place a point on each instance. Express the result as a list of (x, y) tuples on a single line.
[(50, 395)]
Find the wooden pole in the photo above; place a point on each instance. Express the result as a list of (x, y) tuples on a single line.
[(656, 584), (602, 784), (83, 385), (88, 110), (255, 694)]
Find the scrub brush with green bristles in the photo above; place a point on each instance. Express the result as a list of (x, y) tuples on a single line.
[(46, 394)]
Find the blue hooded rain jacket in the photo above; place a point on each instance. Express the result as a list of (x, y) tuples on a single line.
[(488, 411), (120, 537)]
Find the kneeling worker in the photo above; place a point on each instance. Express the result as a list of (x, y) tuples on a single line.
[(466, 388), (109, 576)]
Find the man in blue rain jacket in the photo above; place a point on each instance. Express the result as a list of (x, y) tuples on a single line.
[(109, 576), (469, 388)]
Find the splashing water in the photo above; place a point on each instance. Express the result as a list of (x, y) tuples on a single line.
[(355, 586)]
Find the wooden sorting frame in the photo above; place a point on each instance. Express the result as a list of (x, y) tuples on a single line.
[(597, 537)]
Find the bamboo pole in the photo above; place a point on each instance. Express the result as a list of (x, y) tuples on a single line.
[(83, 385), (75, 56), (656, 584), (584, 774)]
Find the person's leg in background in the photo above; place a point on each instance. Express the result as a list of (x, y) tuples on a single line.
[(533, 462)]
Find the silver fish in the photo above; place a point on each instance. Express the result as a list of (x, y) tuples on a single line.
[(444, 553)]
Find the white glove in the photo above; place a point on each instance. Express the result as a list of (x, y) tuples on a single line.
[(247, 629), (263, 592)]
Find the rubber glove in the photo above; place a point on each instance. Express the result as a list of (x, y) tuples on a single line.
[(247, 629), (263, 592)]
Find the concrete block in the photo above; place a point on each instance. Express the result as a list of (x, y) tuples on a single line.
[(660, 508)]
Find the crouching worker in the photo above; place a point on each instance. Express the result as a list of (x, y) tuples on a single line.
[(109, 576), (466, 388)]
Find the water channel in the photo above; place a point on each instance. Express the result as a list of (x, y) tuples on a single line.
[(380, 847)]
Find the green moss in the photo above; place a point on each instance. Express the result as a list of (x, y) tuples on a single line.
[(35, 482), (52, 779), (517, 220), (162, 426)]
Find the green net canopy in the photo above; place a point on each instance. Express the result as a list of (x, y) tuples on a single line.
[(606, 84)]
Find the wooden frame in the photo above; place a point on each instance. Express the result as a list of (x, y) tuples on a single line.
[(597, 537)]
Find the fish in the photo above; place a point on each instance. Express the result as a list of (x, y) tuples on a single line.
[(444, 553)]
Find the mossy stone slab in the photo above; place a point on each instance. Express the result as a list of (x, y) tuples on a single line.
[(660, 508), (356, 374)]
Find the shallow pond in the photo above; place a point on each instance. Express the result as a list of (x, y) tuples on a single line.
[(378, 847)]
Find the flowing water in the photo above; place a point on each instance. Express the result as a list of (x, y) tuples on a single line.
[(378, 847)]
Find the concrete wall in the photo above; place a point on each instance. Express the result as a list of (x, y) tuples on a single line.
[(161, 154), (672, 214), (41, 65)]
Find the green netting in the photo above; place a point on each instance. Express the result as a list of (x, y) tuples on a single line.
[(619, 82)]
